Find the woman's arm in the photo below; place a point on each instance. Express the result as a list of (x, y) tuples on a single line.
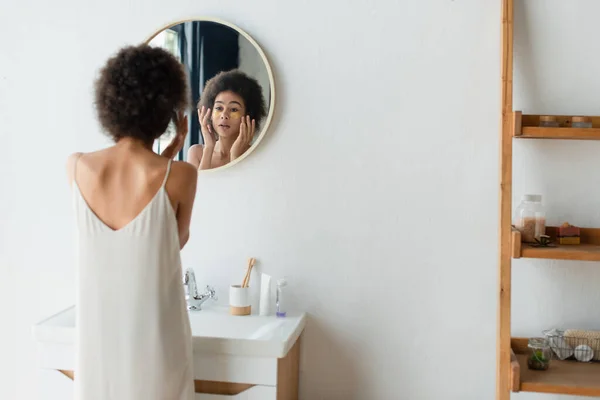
[(206, 161), (209, 138), (200, 156), (184, 186), (172, 149), (194, 155), (181, 126)]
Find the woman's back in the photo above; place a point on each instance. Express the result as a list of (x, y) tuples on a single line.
[(119, 182), (134, 339)]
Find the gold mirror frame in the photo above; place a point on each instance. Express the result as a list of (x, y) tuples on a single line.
[(262, 54)]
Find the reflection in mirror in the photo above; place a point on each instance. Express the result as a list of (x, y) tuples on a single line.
[(231, 84)]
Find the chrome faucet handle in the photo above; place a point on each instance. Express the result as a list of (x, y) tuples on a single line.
[(211, 293)]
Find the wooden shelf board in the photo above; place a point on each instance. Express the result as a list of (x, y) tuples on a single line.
[(588, 250), (582, 252), (531, 132), (563, 120), (527, 126), (563, 377)]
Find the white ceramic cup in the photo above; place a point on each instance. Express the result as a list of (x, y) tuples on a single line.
[(239, 296)]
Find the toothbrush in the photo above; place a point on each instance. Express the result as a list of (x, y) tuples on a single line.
[(246, 280)]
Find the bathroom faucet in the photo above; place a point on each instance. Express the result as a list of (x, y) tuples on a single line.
[(193, 299)]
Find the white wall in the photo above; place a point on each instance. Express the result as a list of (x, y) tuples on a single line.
[(375, 191), (253, 65)]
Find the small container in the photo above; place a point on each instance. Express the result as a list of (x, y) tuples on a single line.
[(539, 354), (239, 300), (280, 300), (568, 234), (581, 122), (530, 218), (584, 353), (548, 121)]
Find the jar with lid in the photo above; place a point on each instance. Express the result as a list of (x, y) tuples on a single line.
[(548, 121), (530, 218), (581, 122), (539, 354)]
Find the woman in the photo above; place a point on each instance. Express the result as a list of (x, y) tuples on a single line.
[(238, 106), (133, 210)]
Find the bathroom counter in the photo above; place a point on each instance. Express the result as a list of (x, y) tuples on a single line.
[(235, 357), (214, 331)]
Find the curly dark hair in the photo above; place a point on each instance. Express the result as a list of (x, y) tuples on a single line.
[(241, 84), (138, 91)]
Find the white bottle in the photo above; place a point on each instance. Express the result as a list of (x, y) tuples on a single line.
[(281, 304), (267, 295)]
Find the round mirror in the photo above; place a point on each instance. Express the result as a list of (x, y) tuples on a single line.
[(232, 88)]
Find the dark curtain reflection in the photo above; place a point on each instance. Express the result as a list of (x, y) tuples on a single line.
[(207, 48)]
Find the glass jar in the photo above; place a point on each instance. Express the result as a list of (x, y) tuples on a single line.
[(581, 122), (548, 121), (539, 354), (530, 218)]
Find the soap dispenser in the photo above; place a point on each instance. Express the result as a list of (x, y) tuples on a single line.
[(281, 301)]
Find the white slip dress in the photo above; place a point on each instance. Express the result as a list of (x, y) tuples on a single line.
[(133, 336)]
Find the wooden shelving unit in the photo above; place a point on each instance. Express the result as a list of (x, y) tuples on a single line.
[(588, 250), (564, 377), (513, 375), (527, 127)]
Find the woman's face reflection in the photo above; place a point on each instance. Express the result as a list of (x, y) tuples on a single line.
[(228, 110)]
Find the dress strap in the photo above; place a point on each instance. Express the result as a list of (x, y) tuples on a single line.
[(75, 167), (167, 174)]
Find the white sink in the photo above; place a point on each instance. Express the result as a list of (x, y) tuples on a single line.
[(227, 348), (214, 331), (217, 323)]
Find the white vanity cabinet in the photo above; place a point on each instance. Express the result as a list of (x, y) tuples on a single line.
[(253, 393), (235, 357)]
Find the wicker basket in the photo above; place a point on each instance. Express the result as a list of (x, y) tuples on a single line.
[(574, 344)]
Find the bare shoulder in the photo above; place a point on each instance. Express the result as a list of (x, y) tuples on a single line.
[(195, 154), (182, 182), (187, 170), (196, 150), (184, 173)]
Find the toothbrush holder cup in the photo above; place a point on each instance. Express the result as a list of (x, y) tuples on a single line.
[(239, 300)]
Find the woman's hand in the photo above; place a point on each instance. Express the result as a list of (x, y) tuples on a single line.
[(209, 138), (181, 131), (205, 128), (244, 139)]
